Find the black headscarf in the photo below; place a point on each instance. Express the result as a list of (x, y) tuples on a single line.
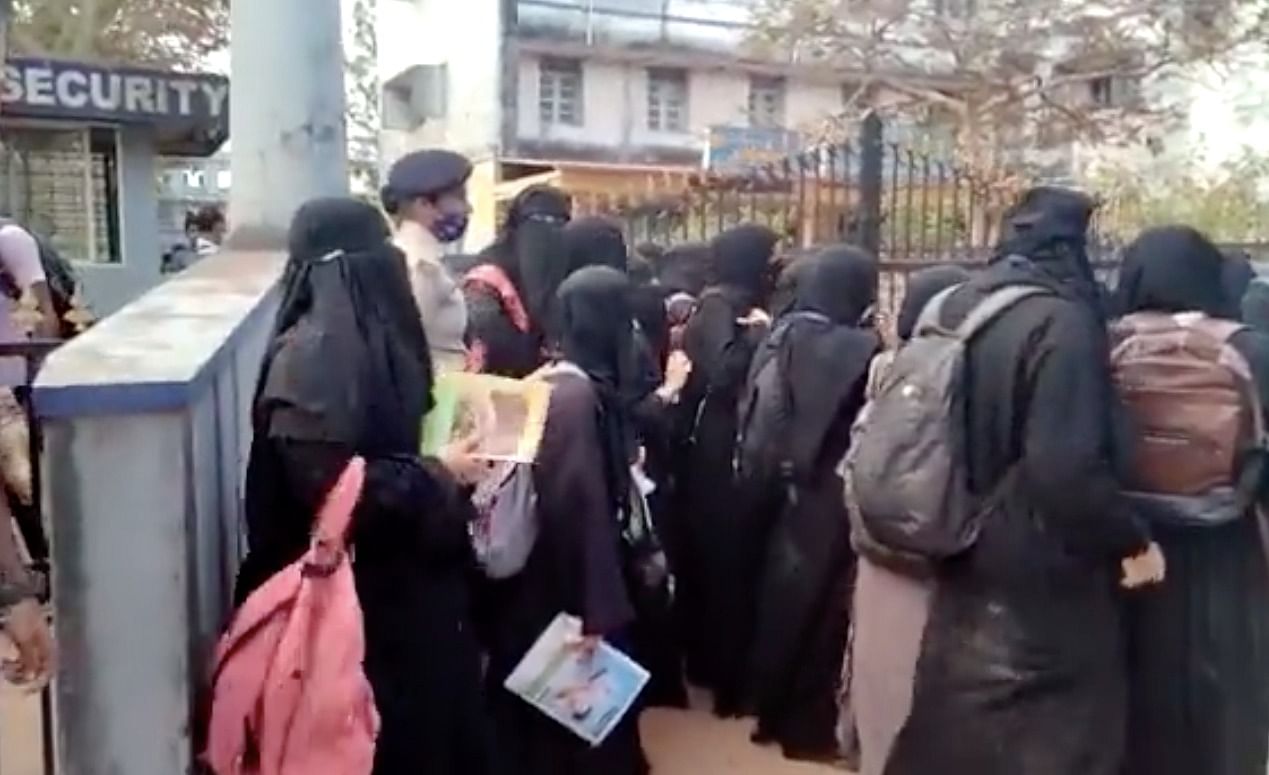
[(822, 351), (922, 287), (597, 334), (1049, 227), (1172, 269), (742, 262), (1236, 277), (595, 241), (784, 295), (1255, 306), (346, 301), (530, 248), (685, 269), (348, 366), (840, 283)]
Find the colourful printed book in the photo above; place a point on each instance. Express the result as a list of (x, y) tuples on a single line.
[(506, 417), (588, 694)]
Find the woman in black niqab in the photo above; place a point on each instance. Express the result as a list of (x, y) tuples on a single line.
[(346, 300), (530, 252), (1198, 643), (1020, 665), (582, 481), (600, 242), (720, 341), (806, 386)]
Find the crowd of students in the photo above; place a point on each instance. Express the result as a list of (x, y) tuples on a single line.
[(1079, 633)]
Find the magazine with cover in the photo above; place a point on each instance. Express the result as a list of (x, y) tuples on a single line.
[(506, 416), (587, 695)]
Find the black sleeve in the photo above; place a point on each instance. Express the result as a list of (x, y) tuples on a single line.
[(577, 513), (1067, 466), (720, 349), (1254, 347), (405, 498)]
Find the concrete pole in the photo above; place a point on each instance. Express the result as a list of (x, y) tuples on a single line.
[(287, 114)]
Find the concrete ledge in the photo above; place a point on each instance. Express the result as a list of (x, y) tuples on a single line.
[(159, 352)]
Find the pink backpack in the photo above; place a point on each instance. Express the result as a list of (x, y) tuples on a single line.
[(289, 695)]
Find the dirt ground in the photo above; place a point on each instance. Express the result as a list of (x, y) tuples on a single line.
[(695, 743), (679, 742), (19, 733)]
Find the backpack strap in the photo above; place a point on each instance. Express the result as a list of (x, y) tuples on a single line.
[(492, 278), (993, 306), (932, 312), (335, 515)]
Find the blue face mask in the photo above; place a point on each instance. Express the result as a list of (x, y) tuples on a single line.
[(450, 227)]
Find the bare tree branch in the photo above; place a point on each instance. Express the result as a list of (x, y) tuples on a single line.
[(1020, 70)]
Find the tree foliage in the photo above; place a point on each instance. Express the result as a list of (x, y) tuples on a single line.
[(1015, 74), (1230, 204), (175, 34)]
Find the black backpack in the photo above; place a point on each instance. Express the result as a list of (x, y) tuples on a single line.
[(59, 273), (763, 452)]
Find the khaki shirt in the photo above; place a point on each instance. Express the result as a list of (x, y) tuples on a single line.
[(437, 295)]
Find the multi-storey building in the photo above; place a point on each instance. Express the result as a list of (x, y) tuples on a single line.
[(607, 94)]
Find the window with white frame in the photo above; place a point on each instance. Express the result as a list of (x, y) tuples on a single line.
[(63, 184), (560, 92), (766, 102), (667, 100)]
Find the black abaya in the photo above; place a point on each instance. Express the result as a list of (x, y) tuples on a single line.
[(717, 577), (575, 568), (1020, 668), (582, 480), (821, 361), (347, 300), (1199, 642)]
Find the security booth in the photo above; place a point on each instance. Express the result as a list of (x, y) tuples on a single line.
[(79, 151)]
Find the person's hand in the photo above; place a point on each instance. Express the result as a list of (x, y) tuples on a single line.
[(584, 646), (27, 627), (1149, 567), (756, 317), (459, 459), (677, 369)]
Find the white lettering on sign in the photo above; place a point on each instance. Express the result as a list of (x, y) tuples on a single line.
[(139, 94), (62, 89), (217, 96), (106, 91), (39, 87), (12, 91), (72, 89)]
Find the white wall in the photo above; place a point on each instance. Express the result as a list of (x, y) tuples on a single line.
[(615, 105), (463, 34)]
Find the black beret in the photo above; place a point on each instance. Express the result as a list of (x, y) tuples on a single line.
[(424, 173)]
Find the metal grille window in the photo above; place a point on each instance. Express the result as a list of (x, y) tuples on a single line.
[(667, 100), (560, 92), (766, 102), (63, 184)]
